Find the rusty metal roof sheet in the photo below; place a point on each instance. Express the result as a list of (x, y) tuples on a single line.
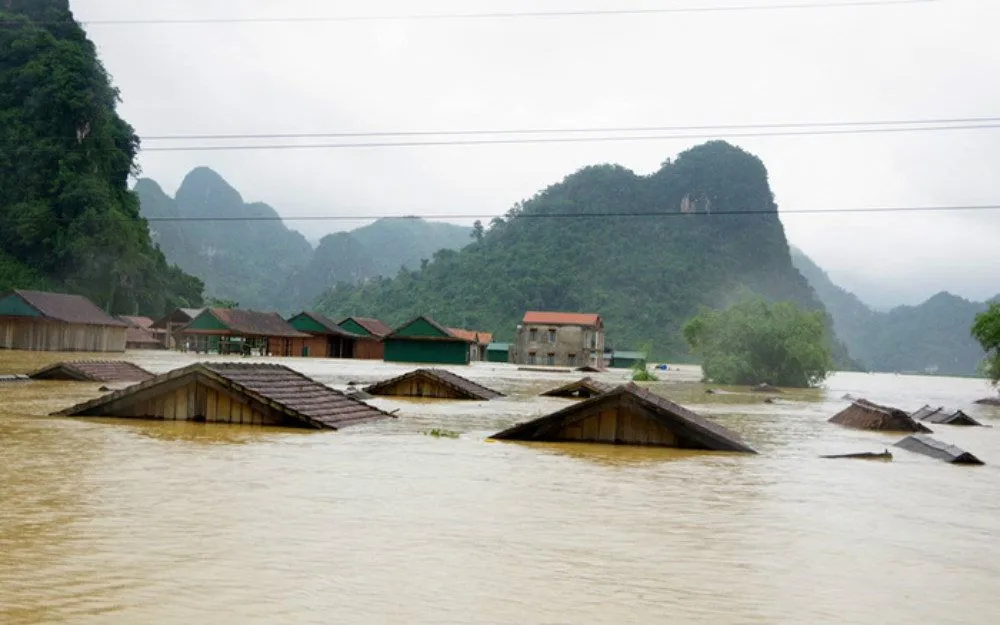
[(93, 371), (302, 400), (461, 387), (68, 308), (865, 415), (695, 430), (562, 318), (947, 417), (923, 444), (585, 387)]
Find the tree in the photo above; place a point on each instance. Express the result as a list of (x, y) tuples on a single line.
[(755, 342), (477, 231), (986, 330)]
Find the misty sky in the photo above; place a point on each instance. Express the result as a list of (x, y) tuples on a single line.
[(907, 62)]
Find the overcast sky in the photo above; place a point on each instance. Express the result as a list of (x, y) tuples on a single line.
[(914, 61)]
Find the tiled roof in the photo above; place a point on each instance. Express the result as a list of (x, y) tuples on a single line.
[(473, 336), (254, 323), (586, 387), (561, 318), (298, 398), (328, 324), (865, 415), (923, 444), (374, 326), (93, 371), (135, 335), (461, 387), (139, 322), (68, 308)]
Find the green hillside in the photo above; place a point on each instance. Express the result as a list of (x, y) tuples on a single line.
[(395, 243), (644, 251), (68, 221), (933, 337)]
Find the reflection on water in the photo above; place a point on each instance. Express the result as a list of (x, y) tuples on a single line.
[(119, 522)]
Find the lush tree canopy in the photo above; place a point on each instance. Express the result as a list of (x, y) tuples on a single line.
[(643, 251), (986, 329), (755, 342), (67, 218)]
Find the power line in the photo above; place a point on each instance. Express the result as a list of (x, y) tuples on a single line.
[(946, 123), (506, 14), (537, 140), (565, 215)]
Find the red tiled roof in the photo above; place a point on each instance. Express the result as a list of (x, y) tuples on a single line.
[(374, 326), (473, 336), (68, 308), (563, 319)]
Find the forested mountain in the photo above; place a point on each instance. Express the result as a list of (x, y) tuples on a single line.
[(261, 263), (395, 243), (68, 221), (934, 336), (246, 260), (644, 251)]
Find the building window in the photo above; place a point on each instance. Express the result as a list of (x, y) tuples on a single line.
[(550, 359), (533, 335), (552, 337), (571, 360), (593, 341), (531, 358)]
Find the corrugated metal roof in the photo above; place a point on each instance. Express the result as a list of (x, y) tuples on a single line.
[(328, 324), (562, 318), (462, 387), (698, 432), (301, 400), (922, 444), (93, 371), (252, 323), (498, 347), (68, 308), (629, 355)]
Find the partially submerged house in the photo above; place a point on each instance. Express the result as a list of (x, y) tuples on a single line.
[(498, 352), (140, 333), (559, 339), (328, 340), (865, 415), (478, 342), (238, 393), (237, 331), (436, 383), (625, 359), (93, 371), (582, 389), (426, 341), (173, 321), (942, 416), (922, 444), (42, 321), (628, 415), (370, 332)]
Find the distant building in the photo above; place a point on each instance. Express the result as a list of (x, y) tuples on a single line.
[(247, 332), (370, 333), (478, 342), (40, 321), (626, 360), (141, 335), (498, 352), (424, 340), (173, 321), (558, 339), (329, 340)]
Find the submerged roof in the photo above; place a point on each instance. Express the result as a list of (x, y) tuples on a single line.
[(459, 387), (585, 387), (93, 371), (247, 323), (866, 415), (300, 399), (940, 415), (562, 318), (67, 308), (691, 430), (376, 327), (923, 444)]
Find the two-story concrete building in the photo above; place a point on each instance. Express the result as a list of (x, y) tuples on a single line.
[(559, 339)]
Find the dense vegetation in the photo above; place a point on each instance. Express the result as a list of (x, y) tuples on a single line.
[(754, 342), (986, 330), (261, 263), (644, 251), (67, 219), (932, 337)]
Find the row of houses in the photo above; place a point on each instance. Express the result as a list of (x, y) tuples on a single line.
[(36, 320)]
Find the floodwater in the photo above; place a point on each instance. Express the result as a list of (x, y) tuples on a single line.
[(124, 522)]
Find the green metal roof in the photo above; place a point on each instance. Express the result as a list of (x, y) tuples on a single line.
[(498, 347), (629, 355)]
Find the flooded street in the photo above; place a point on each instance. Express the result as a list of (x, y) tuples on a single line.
[(124, 522)]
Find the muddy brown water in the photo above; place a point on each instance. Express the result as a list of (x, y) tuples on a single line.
[(122, 522)]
